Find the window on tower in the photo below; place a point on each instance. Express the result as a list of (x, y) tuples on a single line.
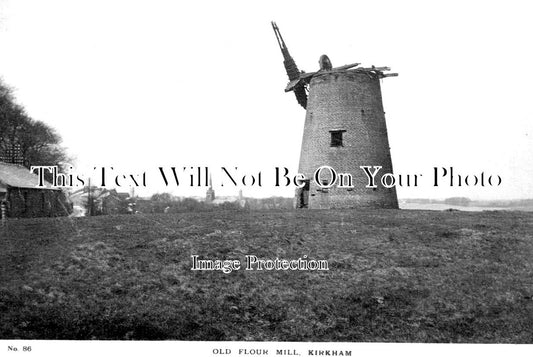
[(336, 138)]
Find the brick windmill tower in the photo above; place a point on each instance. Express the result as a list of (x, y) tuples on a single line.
[(344, 129)]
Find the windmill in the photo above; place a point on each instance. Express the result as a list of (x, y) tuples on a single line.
[(344, 128)]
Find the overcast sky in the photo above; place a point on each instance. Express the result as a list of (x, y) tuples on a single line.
[(142, 84)]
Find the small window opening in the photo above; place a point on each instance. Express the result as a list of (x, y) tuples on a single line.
[(324, 190), (336, 138)]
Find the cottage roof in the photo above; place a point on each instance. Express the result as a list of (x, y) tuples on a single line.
[(19, 176)]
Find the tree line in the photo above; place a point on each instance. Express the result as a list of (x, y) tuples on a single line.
[(21, 135)]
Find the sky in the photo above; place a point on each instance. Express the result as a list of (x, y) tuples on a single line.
[(141, 84)]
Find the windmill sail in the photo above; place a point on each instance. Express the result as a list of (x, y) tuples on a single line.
[(292, 70)]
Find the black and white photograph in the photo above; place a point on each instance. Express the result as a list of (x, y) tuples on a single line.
[(232, 178)]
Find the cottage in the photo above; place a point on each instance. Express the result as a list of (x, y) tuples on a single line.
[(22, 198)]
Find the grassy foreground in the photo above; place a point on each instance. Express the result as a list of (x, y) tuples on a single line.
[(413, 276)]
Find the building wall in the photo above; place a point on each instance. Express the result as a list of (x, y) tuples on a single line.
[(349, 101), (27, 202)]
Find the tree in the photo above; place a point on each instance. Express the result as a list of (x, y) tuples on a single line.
[(162, 197), (36, 142)]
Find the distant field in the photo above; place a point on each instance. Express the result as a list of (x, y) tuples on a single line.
[(395, 275), (470, 208)]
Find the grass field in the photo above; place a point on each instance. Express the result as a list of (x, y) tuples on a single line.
[(395, 275)]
